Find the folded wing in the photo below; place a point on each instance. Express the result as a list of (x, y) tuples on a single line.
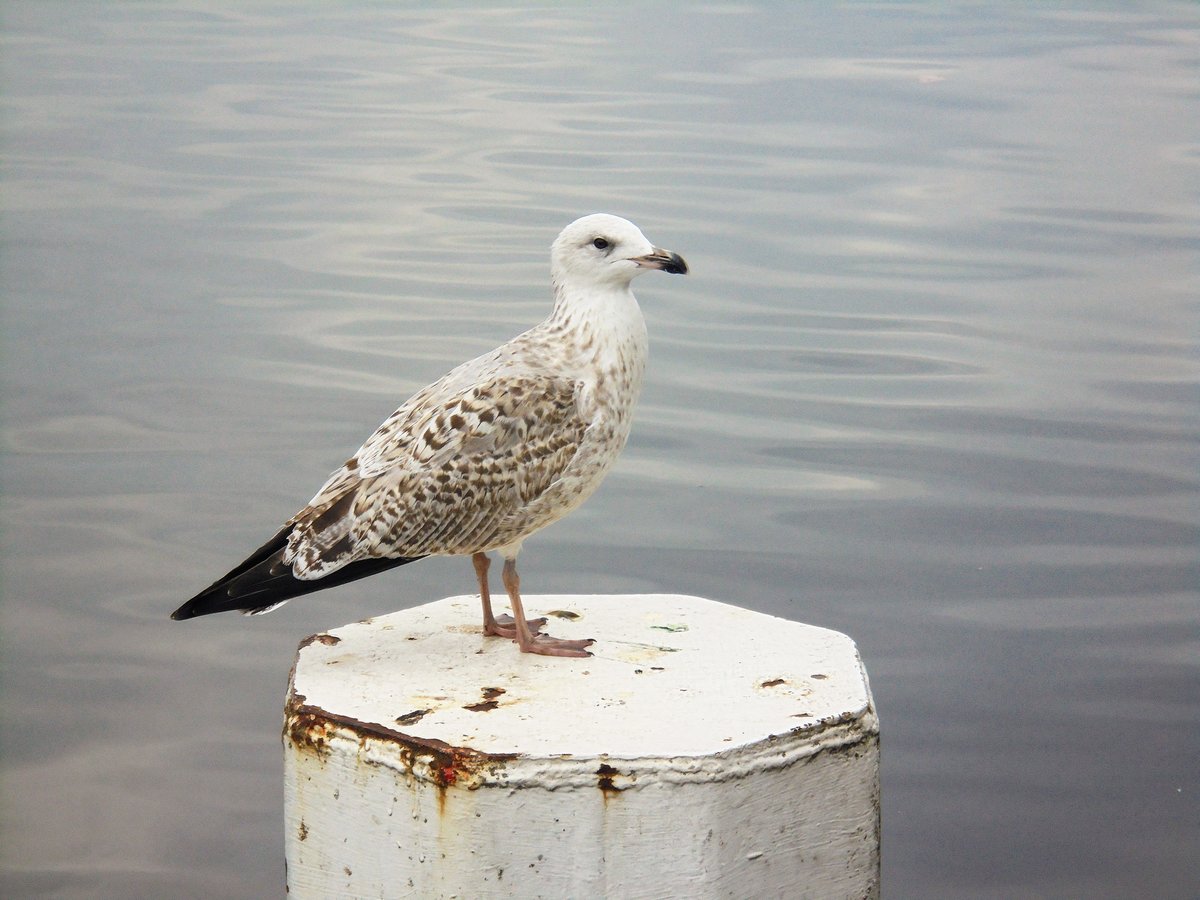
[(449, 472)]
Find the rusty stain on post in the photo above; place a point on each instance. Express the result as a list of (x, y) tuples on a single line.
[(605, 775), (311, 729)]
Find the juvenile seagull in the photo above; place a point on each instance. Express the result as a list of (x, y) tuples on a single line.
[(494, 451)]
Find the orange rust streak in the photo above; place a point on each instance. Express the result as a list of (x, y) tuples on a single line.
[(310, 727)]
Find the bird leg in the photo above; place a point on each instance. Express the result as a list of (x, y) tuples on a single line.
[(530, 641), (502, 626)]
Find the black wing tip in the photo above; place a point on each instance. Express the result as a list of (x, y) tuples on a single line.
[(259, 584), (217, 597), (185, 612), (203, 604)]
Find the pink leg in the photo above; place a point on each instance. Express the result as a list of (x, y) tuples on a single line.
[(504, 625), (531, 642)]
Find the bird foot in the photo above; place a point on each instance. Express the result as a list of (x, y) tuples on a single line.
[(506, 626), (545, 645)]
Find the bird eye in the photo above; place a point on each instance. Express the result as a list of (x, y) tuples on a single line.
[(600, 244)]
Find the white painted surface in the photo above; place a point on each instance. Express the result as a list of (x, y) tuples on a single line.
[(704, 751)]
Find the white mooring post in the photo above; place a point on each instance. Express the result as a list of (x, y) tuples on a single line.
[(704, 751)]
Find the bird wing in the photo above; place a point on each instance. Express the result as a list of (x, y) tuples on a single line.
[(448, 472)]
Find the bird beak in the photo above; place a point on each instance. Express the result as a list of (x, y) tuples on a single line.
[(662, 259)]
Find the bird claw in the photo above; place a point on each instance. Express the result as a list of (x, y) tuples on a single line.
[(506, 626), (544, 645)]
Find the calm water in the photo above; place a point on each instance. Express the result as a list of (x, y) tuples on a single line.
[(932, 382)]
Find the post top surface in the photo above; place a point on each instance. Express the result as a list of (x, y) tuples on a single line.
[(671, 676)]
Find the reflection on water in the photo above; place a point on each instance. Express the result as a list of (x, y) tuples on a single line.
[(932, 381)]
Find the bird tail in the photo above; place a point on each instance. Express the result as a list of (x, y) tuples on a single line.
[(264, 581)]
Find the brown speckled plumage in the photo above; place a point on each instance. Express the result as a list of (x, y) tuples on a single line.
[(497, 449)]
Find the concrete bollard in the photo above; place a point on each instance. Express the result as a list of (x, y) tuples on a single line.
[(704, 751)]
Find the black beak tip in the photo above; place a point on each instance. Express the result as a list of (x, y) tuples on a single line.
[(675, 265)]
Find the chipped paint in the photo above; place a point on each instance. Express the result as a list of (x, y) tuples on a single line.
[(315, 731), (606, 780), (327, 639), (482, 706), (413, 717)]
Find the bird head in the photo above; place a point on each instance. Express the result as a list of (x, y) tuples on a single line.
[(607, 251)]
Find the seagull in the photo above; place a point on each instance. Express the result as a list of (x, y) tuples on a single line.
[(494, 451)]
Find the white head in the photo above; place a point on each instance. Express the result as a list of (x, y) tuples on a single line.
[(606, 251)]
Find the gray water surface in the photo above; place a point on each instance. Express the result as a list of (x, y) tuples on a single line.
[(932, 382)]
